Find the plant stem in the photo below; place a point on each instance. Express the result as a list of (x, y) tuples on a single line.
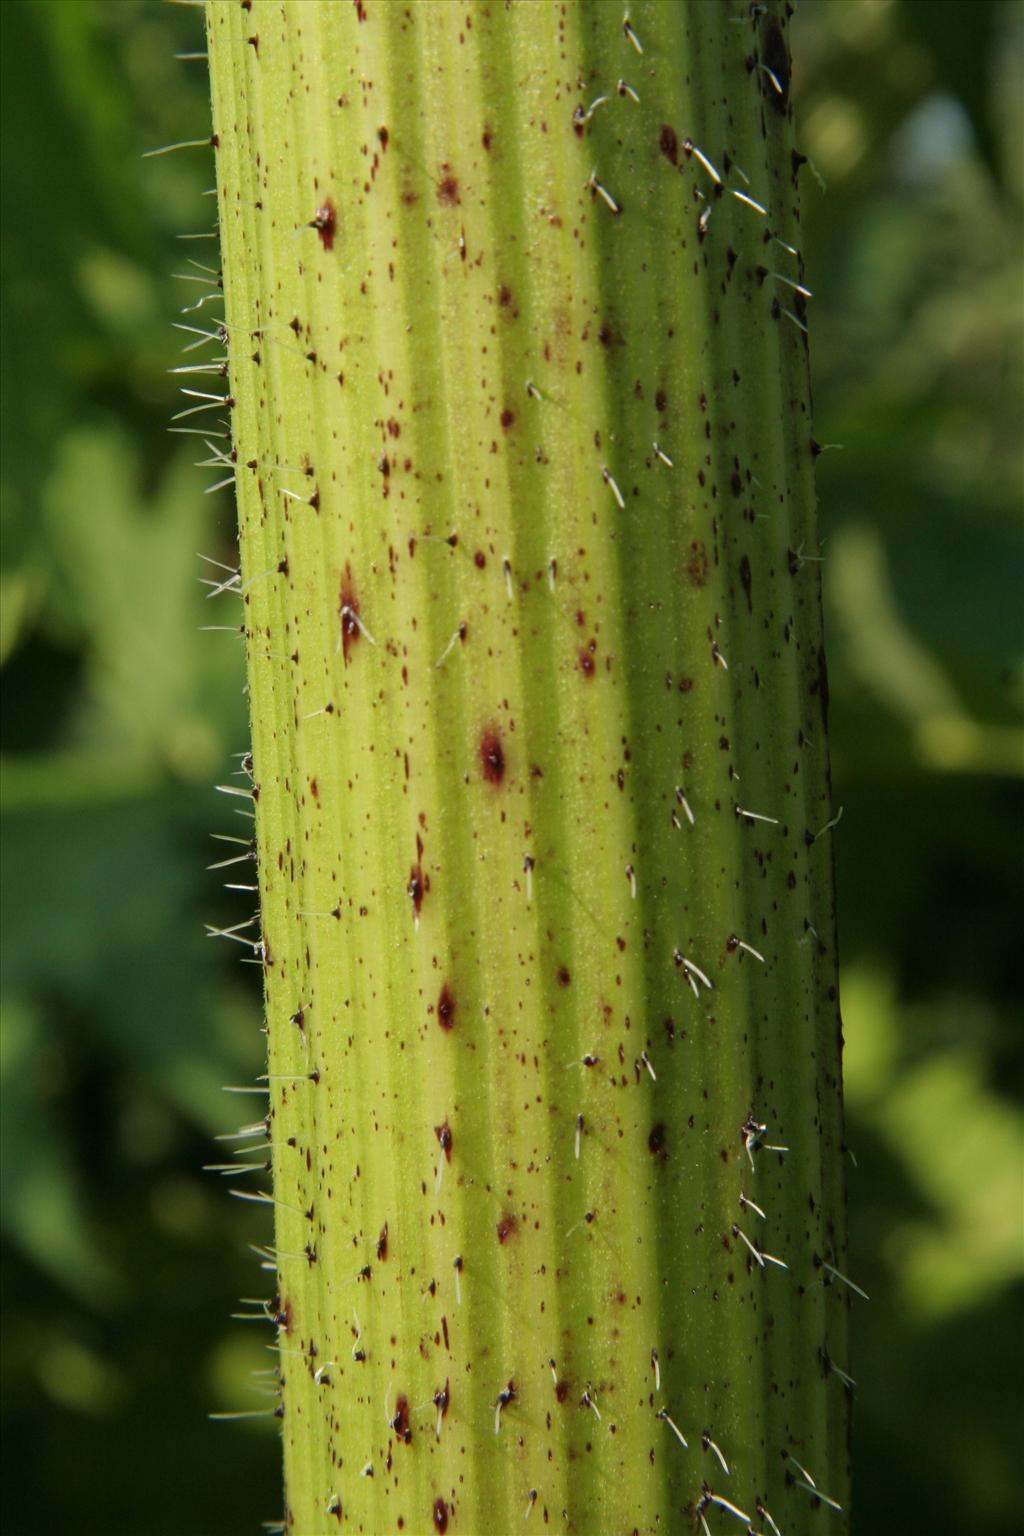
[(524, 468)]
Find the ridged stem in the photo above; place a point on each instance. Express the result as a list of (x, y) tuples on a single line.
[(524, 471)]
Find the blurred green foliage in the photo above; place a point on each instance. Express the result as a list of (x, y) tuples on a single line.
[(122, 1260)]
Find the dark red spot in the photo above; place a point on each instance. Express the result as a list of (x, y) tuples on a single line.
[(400, 1422), (660, 400), (254, 42), (479, 559), (415, 888), (348, 612), (314, 789), (586, 659), (485, 138), (504, 296), (697, 564), (382, 1243), (507, 418), (448, 191), (440, 1514), (656, 1139), (775, 56), (446, 1008), (668, 143), (492, 757), (325, 222), (383, 135), (747, 581), (506, 1226), (564, 976), (444, 1136), (360, 10), (561, 1389)]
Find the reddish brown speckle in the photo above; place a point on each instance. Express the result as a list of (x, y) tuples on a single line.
[(660, 401), (400, 1422), (697, 564), (507, 418), (440, 1514), (444, 1136), (382, 1243), (504, 296), (446, 1008), (448, 191), (479, 559), (656, 1139), (775, 55), (348, 612), (415, 888), (668, 143), (586, 659), (564, 976), (747, 581), (383, 136), (486, 138), (506, 1226), (561, 1389), (325, 221), (492, 757)]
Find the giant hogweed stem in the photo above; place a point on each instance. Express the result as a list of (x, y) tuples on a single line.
[(521, 436)]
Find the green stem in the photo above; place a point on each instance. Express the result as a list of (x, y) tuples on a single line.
[(524, 478)]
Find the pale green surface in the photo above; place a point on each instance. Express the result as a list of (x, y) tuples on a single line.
[(674, 643)]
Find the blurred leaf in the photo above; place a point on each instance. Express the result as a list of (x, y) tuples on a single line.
[(960, 1143), (43, 1208), (129, 582), (970, 31)]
